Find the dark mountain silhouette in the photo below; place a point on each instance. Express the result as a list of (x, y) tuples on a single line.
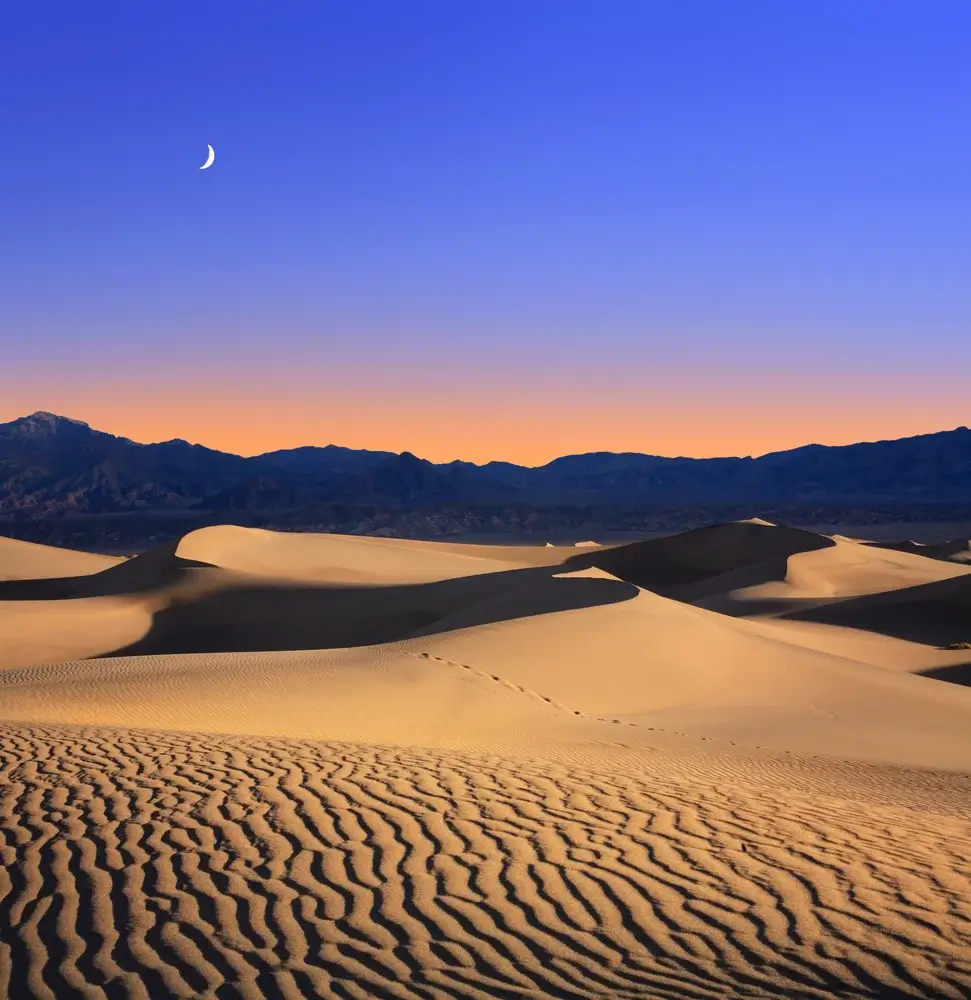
[(406, 479), (51, 464), (311, 459)]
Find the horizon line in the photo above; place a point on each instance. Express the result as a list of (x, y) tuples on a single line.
[(197, 444)]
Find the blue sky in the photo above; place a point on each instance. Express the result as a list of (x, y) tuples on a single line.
[(662, 193)]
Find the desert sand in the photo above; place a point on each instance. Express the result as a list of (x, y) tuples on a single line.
[(730, 763)]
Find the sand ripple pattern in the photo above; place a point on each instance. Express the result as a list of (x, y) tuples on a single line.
[(142, 865)]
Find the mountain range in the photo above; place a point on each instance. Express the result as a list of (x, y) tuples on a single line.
[(52, 465)]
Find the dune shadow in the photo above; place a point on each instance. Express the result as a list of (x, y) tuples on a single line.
[(695, 564), (934, 614), (159, 567), (761, 607), (266, 616), (955, 673), (944, 551)]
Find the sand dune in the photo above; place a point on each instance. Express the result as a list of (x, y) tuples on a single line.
[(664, 564), (28, 561), (957, 550), (257, 764), (809, 579), (348, 558), (937, 613)]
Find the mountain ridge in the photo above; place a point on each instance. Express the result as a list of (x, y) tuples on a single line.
[(51, 464)]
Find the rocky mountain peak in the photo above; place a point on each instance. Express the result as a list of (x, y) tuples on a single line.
[(42, 424)]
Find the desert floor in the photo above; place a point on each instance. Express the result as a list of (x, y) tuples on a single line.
[(734, 762)]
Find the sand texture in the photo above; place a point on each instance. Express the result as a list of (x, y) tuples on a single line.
[(730, 763)]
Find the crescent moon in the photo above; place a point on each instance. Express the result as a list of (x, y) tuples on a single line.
[(209, 160)]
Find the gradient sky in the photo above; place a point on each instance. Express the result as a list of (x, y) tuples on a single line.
[(484, 229)]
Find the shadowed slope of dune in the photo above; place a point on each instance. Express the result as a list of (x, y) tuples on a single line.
[(955, 673), (152, 570), (220, 613), (936, 613), (261, 590), (664, 564)]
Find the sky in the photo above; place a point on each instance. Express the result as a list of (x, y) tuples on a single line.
[(494, 229)]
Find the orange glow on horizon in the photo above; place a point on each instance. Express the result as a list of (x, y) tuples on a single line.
[(483, 424)]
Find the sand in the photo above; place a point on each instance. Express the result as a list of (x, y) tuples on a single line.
[(730, 763), (28, 561)]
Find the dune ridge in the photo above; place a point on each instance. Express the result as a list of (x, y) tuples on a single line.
[(251, 764)]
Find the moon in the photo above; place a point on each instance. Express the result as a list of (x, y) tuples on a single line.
[(209, 159)]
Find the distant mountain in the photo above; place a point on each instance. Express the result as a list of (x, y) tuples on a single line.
[(409, 481), (311, 459), (51, 465), (369, 478)]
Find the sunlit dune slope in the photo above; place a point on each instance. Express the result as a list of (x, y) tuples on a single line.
[(661, 663), (937, 613), (349, 558), (29, 561)]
